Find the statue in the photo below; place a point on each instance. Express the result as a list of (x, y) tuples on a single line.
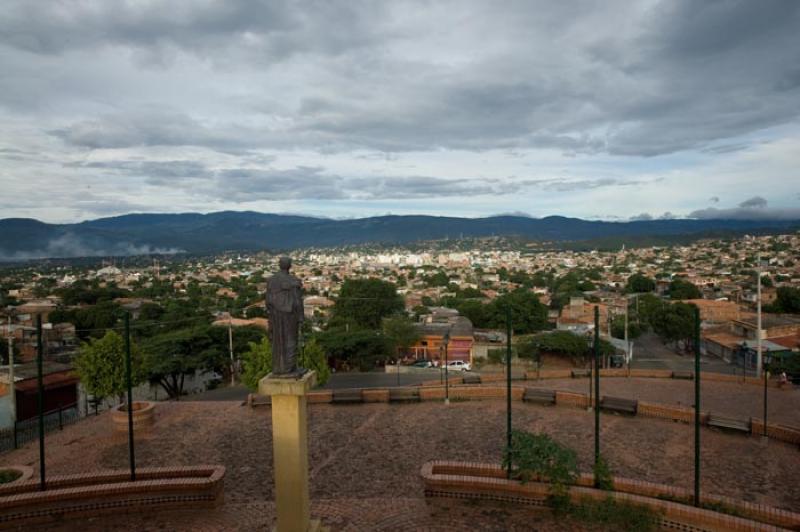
[(285, 313)]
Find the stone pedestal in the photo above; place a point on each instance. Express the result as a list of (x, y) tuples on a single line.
[(290, 450)]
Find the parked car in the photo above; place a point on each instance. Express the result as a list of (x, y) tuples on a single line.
[(422, 364), (617, 361), (459, 365)]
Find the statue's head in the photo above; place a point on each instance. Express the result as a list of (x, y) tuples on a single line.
[(285, 263)]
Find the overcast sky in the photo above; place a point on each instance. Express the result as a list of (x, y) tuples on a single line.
[(607, 110)]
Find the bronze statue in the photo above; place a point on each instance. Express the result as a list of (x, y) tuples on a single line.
[(285, 313)]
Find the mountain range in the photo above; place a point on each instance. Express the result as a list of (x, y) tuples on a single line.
[(138, 234)]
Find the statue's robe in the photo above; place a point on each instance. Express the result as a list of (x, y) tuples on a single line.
[(285, 313)]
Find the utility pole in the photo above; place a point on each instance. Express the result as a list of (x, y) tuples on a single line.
[(230, 348), (759, 363)]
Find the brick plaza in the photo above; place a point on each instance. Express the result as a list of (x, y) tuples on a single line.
[(365, 459)]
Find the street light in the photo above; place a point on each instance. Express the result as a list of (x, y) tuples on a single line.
[(767, 363), (445, 342)]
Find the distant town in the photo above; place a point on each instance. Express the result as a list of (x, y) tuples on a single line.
[(397, 304)]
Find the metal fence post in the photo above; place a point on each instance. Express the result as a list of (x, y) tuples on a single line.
[(508, 387), (696, 406), (596, 389), (40, 399), (130, 393)]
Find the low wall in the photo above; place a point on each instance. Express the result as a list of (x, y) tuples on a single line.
[(487, 481), (89, 494)]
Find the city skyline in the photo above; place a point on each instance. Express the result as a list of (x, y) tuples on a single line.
[(612, 112)]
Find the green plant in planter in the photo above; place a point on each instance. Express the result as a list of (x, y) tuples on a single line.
[(603, 479), (9, 475), (538, 456)]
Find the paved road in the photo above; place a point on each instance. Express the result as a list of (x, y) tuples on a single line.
[(650, 353)]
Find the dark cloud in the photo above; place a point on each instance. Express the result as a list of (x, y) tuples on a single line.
[(714, 199), (692, 76), (756, 202), (755, 208), (643, 217)]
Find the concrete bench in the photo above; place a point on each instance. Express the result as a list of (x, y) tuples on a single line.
[(539, 395), (471, 378), (347, 396), (403, 395), (619, 405), (729, 423), (684, 375), (577, 373)]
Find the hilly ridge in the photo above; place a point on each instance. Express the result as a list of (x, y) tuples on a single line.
[(136, 234)]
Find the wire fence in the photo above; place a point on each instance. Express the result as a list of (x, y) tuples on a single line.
[(28, 430)]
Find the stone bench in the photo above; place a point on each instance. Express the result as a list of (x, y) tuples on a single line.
[(346, 396), (539, 395), (683, 375), (619, 405), (578, 373), (403, 395), (729, 423)]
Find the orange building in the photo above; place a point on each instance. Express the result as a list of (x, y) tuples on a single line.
[(441, 322)]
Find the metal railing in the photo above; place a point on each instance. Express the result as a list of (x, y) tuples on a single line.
[(28, 430)]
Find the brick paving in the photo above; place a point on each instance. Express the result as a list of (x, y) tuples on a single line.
[(734, 400), (365, 461)]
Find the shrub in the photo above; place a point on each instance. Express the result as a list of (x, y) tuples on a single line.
[(615, 515), (538, 456), (9, 475), (602, 475)]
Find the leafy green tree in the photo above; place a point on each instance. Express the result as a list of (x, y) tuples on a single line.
[(401, 332), (638, 283), (101, 366), (618, 328), (256, 362), (365, 302), (359, 348), (787, 300), (562, 343), (171, 356), (674, 323), (683, 289), (528, 315), (313, 357)]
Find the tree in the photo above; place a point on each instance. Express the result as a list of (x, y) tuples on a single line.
[(683, 289), (638, 283), (787, 300), (313, 357), (618, 328), (528, 315), (675, 323), (170, 356), (256, 362), (101, 366), (563, 343), (365, 302), (359, 348), (401, 333)]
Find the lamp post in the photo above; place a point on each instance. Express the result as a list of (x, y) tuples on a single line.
[(767, 363), (445, 342), (12, 393)]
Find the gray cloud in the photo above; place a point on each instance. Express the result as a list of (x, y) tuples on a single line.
[(755, 208), (756, 202), (71, 245), (643, 217), (690, 76), (714, 199)]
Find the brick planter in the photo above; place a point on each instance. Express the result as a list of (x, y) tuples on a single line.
[(88, 494), (143, 416), (471, 480)]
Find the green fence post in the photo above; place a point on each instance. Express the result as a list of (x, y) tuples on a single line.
[(40, 399), (596, 388), (696, 406), (130, 393)]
